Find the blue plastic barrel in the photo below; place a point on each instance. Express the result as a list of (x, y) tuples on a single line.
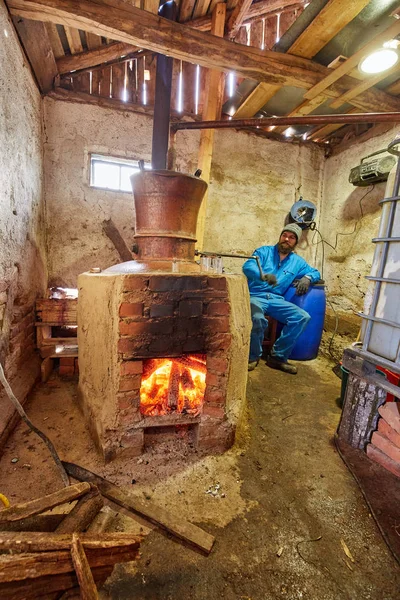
[(313, 302)]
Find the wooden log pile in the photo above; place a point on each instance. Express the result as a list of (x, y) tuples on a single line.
[(44, 555)]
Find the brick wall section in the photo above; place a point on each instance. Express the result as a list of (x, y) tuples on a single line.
[(162, 316), (22, 338)]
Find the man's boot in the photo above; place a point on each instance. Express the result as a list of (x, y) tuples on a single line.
[(281, 365)]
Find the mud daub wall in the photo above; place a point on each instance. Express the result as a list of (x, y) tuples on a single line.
[(349, 219), (22, 247), (254, 182)]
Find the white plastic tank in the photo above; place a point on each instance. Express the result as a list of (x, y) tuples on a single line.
[(381, 317)]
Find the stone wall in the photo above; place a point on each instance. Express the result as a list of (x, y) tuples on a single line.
[(22, 243), (349, 220), (254, 182)]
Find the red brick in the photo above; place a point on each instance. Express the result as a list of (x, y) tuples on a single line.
[(164, 345), (220, 341), (218, 308), (134, 282), (377, 456), (76, 365), (177, 283), (132, 443), (131, 367), (217, 283), (389, 432), (66, 370), (190, 308), (217, 324), (386, 446), (67, 361), (161, 310), (143, 327), (218, 364), (217, 412), (126, 345), (214, 396), (191, 326), (130, 309), (128, 400), (214, 379), (390, 411), (129, 384)]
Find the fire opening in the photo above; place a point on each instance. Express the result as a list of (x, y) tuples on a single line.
[(173, 385)]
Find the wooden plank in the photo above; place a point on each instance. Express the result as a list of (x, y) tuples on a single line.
[(82, 569), (35, 507), (104, 83), (41, 564), (200, 8), (186, 10), (74, 39), (391, 32), (96, 75), (82, 83), (83, 513), (93, 41), (214, 91), (256, 34), (271, 30), (114, 235), (52, 32), (305, 108), (118, 76), (155, 514), (256, 100), (151, 66), (129, 24), (46, 369), (331, 19), (32, 589), (39, 541), (286, 20), (91, 58), (131, 84), (42, 523), (236, 18), (151, 6), (189, 75), (362, 87), (36, 43)]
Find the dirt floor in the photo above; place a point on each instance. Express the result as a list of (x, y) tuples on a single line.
[(285, 504)]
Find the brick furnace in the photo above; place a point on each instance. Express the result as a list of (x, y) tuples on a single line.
[(161, 342)]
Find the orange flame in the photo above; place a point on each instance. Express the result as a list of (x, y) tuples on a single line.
[(173, 385)]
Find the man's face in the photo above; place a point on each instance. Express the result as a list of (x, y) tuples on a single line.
[(287, 242)]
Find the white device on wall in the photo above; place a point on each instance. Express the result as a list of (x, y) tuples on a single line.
[(372, 169)]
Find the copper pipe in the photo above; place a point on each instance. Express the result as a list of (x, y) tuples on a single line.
[(278, 121)]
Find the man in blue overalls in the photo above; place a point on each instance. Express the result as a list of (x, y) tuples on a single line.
[(281, 267)]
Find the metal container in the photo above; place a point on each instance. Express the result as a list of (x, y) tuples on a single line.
[(167, 205)]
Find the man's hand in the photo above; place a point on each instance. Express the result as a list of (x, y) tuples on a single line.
[(269, 278), (302, 285)]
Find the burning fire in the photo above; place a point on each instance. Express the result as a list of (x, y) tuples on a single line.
[(173, 385)]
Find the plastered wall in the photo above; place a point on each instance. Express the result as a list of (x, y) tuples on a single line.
[(254, 182), (75, 211), (22, 227), (349, 220)]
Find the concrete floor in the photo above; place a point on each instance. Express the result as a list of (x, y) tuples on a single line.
[(283, 490)]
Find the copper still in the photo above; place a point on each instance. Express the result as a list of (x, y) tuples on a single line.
[(167, 205)]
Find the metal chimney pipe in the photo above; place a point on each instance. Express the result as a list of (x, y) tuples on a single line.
[(162, 102)]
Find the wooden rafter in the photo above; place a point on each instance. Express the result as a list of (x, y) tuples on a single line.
[(236, 18), (328, 22), (92, 58), (55, 41), (392, 31), (36, 43), (131, 25), (212, 110), (316, 40), (361, 87), (74, 39), (305, 108), (256, 100)]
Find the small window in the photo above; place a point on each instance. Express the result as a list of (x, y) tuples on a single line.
[(111, 173)]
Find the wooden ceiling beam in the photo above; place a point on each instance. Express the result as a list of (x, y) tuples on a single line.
[(58, 49), (74, 39), (256, 100), (123, 22), (36, 43), (362, 87), (235, 20), (391, 32), (316, 40), (335, 15), (92, 58)]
